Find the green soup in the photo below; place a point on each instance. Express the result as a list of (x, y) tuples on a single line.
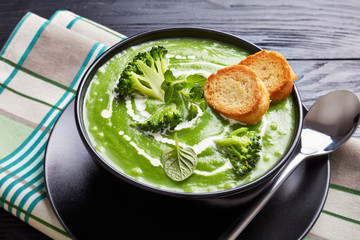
[(137, 154)]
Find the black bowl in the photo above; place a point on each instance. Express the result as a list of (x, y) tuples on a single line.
[(229, 197)]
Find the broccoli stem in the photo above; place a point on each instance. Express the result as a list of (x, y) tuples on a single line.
[(238, 131), (155, 82), (142, 88)]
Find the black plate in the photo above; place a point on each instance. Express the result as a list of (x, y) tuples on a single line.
[(93, 204)]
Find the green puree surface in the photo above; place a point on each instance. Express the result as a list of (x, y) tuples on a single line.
[(137, 154)]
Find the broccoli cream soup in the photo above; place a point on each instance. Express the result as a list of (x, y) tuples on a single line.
[(138, 153)]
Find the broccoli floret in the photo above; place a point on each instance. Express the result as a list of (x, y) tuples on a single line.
[(243, 148), (144, 74), (168, 116), (160, 60)]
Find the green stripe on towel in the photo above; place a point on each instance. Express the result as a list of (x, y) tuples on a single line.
[(33, 205), (39, 156), (23, 166), (18, 132), (29, 215), (83, 67), (45, 119), (75, 80), (341, 217), (14, 33), (28, 184), (29, 195), (80, 72), (34, 74), (38, 189), (24, 182), (32, 135), (345, 189), (25, 54), (28, 97)]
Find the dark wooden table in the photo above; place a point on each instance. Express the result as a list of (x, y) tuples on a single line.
[(321, 40)]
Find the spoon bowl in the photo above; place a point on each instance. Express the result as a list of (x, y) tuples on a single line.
[(330, 122)]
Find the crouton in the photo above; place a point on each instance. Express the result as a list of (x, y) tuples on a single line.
[(274, 71), (238, 93)]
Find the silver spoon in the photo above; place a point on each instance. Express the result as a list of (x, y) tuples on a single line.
[(330, 122)]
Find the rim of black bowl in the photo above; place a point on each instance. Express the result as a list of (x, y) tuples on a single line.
[(166, 33)]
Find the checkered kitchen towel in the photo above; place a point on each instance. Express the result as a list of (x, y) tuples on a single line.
[(40, 68)]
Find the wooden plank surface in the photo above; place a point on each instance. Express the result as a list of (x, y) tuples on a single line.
[(323, 29), (320, 38), (318, 77)]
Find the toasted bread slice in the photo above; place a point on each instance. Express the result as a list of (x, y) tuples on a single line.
[(238, 93), (274, 71)]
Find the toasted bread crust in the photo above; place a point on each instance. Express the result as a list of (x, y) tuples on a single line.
[(274, 71), (237, 92)]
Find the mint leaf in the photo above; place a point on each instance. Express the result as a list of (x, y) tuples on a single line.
[(179, 163), (169, 76), (193, 79), (197, 92), (184, 93), (171, 87), (192, 113)]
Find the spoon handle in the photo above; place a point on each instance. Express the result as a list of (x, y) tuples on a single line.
[(239, 225)]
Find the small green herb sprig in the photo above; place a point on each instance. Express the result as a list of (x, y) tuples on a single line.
[(186, 93)]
